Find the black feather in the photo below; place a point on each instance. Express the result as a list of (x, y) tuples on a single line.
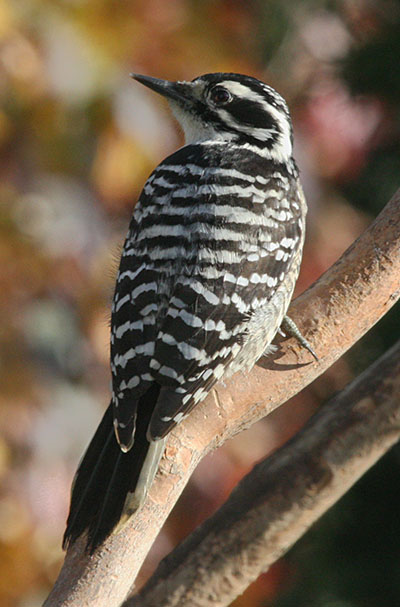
[(106, 475)]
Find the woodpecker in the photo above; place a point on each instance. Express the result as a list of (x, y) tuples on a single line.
[(207, 273)]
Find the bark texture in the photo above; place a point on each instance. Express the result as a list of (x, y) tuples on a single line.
[(283, 496)]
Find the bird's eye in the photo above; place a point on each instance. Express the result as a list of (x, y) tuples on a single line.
[(220, 96)]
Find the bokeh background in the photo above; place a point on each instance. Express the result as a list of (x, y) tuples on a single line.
[(77, 140)]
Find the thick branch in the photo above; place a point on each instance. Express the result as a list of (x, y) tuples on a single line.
[(283, 495), (333, 314)]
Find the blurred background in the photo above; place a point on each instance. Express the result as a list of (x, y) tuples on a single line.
[(78, 138)]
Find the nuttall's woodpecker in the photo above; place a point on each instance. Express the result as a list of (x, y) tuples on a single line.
[(207, 272)]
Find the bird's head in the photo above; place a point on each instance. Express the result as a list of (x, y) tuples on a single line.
[(229, 108)]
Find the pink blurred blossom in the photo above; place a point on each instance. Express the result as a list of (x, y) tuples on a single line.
[(340, 130)]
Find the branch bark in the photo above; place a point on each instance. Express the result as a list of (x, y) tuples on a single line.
[(364, 282), (283, 496)]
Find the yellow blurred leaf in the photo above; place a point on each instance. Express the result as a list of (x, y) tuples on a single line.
[(6, 19), (119, 167)]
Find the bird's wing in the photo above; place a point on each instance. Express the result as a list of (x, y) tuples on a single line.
[(206, 323)]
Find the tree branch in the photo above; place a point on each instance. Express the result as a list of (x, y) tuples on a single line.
[(364, 282), (283, 495)]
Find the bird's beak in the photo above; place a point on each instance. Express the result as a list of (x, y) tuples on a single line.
[(176, 91)]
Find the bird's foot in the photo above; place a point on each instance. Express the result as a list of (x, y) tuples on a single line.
[(291, 329)]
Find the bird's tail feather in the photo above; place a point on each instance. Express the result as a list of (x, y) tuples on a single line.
[(109, 484)]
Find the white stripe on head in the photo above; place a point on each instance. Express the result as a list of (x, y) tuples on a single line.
[(283, 148)]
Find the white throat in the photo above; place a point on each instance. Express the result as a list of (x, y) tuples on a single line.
[(195, 130)]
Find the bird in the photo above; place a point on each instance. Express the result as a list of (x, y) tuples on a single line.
[(206, 275)]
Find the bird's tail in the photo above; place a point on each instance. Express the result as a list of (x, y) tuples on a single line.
[(109, 484)]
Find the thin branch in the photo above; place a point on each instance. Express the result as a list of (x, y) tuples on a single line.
[(333, 314), (283, 496)]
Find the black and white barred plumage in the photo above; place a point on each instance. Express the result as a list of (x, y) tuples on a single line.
[(207, 273)]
